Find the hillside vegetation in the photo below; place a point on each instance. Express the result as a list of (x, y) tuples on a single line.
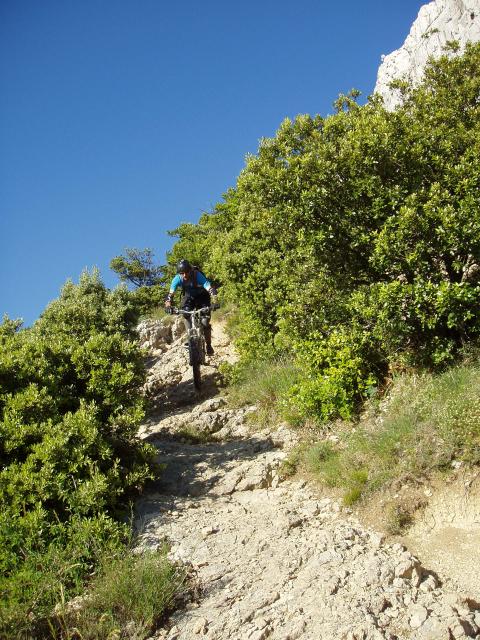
[(351, 243), (70, 462), (350, 248)]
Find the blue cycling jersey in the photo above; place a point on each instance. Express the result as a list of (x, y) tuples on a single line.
[(189, 286)]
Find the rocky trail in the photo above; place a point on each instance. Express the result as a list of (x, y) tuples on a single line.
[(271, 557)]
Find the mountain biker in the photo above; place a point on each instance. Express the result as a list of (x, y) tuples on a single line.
[(198, 292)]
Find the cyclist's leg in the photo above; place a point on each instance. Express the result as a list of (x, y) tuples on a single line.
[(207, 330)]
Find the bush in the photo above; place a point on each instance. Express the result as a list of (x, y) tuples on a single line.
[(360, 225), (336, 375), (70, 461)]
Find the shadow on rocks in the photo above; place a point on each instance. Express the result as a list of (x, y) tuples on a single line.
[(183, 394), (194, 470)]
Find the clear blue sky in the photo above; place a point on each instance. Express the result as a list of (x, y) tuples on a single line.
[(121, 119)]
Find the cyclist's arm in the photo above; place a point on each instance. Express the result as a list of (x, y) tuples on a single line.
[(206, 284), (176, 282)]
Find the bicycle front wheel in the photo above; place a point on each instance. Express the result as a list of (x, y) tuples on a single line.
[(197, 376), (195, 361)]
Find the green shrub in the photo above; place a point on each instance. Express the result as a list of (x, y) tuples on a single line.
[(336, 375), (70, 461), (148, 301), (359, 225)]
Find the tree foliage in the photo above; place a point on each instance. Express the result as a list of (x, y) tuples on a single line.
[(137, 267), (361, 227)]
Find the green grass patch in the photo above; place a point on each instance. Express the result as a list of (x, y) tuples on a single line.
[(424, 424), (127, 591), (194, 435), (265, 384), (228, 314), (158, 313), (295, 460), (49, 572), (127, 599)]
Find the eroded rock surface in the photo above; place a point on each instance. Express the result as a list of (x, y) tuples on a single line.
[(273, 558), (447, 532)]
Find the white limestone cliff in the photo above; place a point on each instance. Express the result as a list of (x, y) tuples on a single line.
[(437, 23)]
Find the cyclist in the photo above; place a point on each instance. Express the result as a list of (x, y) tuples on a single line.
[(198, 292)]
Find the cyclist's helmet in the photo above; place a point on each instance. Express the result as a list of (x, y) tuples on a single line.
[(184, 266)]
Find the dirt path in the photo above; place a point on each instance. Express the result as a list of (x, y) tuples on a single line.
[(273, 560)]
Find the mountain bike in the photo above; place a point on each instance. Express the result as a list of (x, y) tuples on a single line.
[(196, 340)]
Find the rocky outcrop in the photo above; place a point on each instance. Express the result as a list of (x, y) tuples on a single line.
[(271, 557), (437, 23)]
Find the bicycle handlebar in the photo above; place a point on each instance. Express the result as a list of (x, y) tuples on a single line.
[(177, 311)]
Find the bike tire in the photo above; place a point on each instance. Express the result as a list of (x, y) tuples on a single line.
[(195, 361), (197, 376)]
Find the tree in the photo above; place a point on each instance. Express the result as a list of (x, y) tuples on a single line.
[(137, 267)]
